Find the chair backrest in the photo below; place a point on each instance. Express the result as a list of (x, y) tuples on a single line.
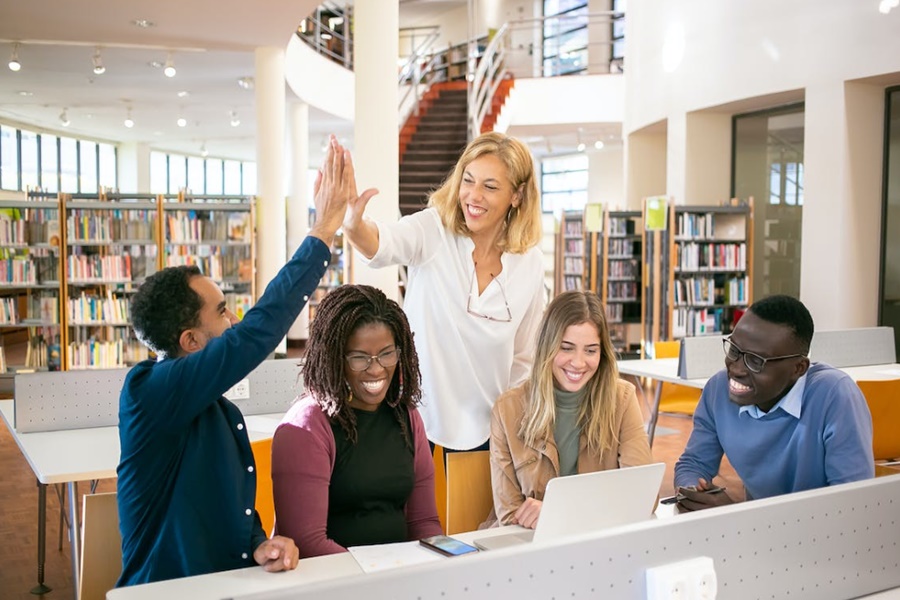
[(101, 546), (469, 495), (440, 485), (675, 398), (883, 398), (265, 500)]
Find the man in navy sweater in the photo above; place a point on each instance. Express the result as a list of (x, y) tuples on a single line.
[(785, 425), (187, 478)]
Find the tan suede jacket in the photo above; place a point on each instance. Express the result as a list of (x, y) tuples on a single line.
[(519, 471)]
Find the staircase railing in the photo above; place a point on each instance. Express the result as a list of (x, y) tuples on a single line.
[(483, 84), (417, 72)]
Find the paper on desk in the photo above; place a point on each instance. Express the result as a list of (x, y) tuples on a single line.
[(390, 556)]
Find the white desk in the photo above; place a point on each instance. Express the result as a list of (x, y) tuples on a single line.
[(665, 370), (230, 584), (73, 455)]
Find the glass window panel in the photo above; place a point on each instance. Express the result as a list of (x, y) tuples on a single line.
[(88, 167), (249, 175), (575, 162), (49, 163), (213, 176), (68, 165), (775, 184), (159, 175), (108, 167), (559, 201), (232, 177), (9, 158), (177, 174), (196, 175), (562, 182), (29, 160)]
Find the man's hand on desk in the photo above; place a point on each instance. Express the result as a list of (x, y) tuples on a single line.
[(277, 554), (705, 495), (528, 513)]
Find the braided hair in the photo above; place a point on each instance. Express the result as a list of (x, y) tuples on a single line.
[(339, 315)]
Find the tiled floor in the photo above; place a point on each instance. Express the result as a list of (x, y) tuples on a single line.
[(18, 514)]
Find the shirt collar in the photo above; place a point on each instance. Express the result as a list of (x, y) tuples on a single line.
[(792, 402)]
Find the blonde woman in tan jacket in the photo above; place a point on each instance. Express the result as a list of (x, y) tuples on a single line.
[(573, 415)]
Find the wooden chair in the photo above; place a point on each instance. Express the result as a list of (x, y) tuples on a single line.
[(883, 398), (675, 398), (469, 495), (440, 486), (101, 546), (265, 500)]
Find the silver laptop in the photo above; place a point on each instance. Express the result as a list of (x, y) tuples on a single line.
[(589, 502)]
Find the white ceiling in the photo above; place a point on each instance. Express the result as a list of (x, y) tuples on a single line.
[(212, 45)]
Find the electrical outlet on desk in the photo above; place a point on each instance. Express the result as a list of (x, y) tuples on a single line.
[(240, 390), (693, 579)]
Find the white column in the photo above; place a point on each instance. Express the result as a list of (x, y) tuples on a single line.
[(606, 183), (376, 124), (270, 211), (842, 203), (298, 201), (645, 165)]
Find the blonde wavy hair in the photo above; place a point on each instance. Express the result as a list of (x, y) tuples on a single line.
[(523, 229), (597, 412)]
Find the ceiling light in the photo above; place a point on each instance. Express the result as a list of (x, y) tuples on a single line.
[(129, 122), (184, 94), (234, 119), (598, 144), (246, 83), (169, 69), (99, 69), (581, 145), (143, 23), (26, 93), (885, 6), (203, 151), (14, 64), (64, 118), (182, 122)]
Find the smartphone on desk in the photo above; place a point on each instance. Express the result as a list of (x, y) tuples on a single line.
[(447, 545), (679, 496)]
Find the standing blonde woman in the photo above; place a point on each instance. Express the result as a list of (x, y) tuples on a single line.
[(476, 290), (574, 415)]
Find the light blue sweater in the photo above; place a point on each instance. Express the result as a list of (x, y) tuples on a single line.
[(778, 453)]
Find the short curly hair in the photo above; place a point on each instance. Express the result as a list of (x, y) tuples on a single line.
[(789, 312), (339, 315), (164, 306)]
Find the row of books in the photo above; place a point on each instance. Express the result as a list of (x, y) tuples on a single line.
[(99, 268), (88, 309), (575, 246), (716, 257), (701, 321), (624, 248), (699, 291), (239, 304), (573, 265), (19, 270), (215, 265), (43, 307), (185, 226), (622, 291), (619, 226), (624, 268)]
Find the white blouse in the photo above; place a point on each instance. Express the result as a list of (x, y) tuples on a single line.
[(467, 361)]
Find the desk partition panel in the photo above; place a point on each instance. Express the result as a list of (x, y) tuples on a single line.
[(830, 544), (854, 347), (53, 401)]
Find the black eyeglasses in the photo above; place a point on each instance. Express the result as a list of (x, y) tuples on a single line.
[(386, 359), (475, 313), (754, 362)]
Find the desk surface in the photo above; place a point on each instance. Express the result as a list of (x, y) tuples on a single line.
[(85, 454), (252, 580), (666, 369)]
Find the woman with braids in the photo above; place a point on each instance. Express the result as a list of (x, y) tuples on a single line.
[(351, 464), (574, 415)]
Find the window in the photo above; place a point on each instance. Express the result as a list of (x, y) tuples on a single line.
[(213, 176), (169, 173), (177, 173), (29, 160), (9, 158), (159, 173), (49, 163), (617, 59), (88, 153), (564, 182), (565, 46), (196, 175), (109, 178), (68, 165), (232, 177)]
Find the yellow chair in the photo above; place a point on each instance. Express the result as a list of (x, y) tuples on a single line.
[(440, 486), (675, 398), (101, 546), (883, 398), (265, 500), (469, 495)]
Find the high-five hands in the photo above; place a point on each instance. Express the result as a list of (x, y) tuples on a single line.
[(335, 186)]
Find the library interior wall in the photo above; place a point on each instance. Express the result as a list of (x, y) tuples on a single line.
[(605, 176), (645, 165), (677, 49)]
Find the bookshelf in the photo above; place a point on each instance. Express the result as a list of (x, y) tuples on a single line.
[(621, 286), (656, 270), (570, 252), (700, 267), (30, 283), (334, 275), (217, 234)]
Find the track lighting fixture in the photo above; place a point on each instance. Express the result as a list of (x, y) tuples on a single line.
[(182, 122), (14, 64), (64, 118), (169, 68), (235, 121), (203, 151), (129, 122), (599, 145), (99, 69)]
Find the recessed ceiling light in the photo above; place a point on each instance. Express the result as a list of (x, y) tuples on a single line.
[(143, 23), (182, 122), (26, 93), (183, 94), (155, 64)]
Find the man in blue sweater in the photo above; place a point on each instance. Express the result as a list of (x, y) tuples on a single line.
[(187, 478), (785, 425)]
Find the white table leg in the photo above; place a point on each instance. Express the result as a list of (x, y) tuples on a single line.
[(75, 535)]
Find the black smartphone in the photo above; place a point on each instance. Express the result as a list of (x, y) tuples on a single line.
[(447, 546)]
